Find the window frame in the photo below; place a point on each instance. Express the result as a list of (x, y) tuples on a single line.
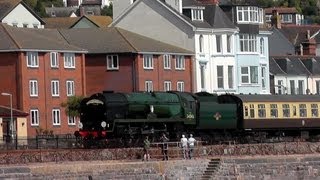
[(180, 86), (197, 14), (314, 110), (56, 117), (248, 43), (111, 62), (180, 62), (167, 84), (55, 88), (262, 111), (33, 88), (54, 59), (148, 86), (147, 61), (34, 121), (69, 60), (286, 110), (220, 77), (248, 15), (34, 61), (274, 108), (72, 92), (72, 120), (167, 61)]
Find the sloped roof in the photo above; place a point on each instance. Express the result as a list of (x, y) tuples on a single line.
[(274, 68), (91, 2), (190, 3), (297, 34), (116, 40), (60, 22), (281, 10), (24, 39), (61, 11), (6, 6), (279, 45), (312, 64), (99, 21), (215, 16), (238, 3), (291, 65), (6, 112)]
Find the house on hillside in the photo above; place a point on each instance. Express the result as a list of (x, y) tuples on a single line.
[(18, 14), (78, 22), (122, 61), (287, 15), (41, 71)]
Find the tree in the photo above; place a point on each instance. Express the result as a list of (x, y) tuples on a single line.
[(107, 10), (31, 3), (72, 106), (40, 9)]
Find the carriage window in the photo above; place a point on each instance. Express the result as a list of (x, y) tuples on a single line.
[(303, 110), (261, 110), (294, 110), (314, 110), (273, 110), (246, 111), (252, 110), (286, 110)]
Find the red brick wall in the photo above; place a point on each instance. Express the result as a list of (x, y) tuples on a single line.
[(98, 78), (158, 74), (45, 102)]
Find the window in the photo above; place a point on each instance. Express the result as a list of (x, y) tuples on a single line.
[(280, 87), (166, 61), (70, 88), (220, 76), (55, 88), (286, 110), (218, 43), (35, 26), (263, 78), (54, 61), (303, 110), (251, 110), (34, 117), (268, 18), (180, 62), (230, 77), (25, 25), (248, 14), (167, 85), (33, 88), (90, 13), (15, 24), (197, 14), (147, 61), (229, 42), (32, 59), (273, 110), (148, 86), (201, 43), (292, 87), (300, 88), (180, 86), (286, 18), (246, 112), (314, 110), (318, 87), (261, 46), (261, 15), (69, 60), (248, 43), (202, 74), (251, 72), (71, 120), (53, 14), (56, 117), (112, 62), (262, 110)]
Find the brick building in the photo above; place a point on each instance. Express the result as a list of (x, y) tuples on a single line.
[(122, 61), (41, 70)]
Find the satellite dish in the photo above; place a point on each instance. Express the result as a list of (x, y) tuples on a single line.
[(80, 125), (103, 124)]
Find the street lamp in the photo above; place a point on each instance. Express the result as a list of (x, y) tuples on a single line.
[(11, 117)]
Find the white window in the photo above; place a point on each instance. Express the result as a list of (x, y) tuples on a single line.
[(248, 43), (112, 62), (54, 61), (69, 60), (148, 86), (286, 18), (220, 77), (167, 86), (218, 43), (180, 86), (261, 15), (55, 88), (249, 75), (197, 14), (71, 120), (229, 43), (33, 88), (247, 14), (230, 77), (70, 88), (148, 61), (261, 46), (180, 62), (268, 18), (56, 117), (166, 61), (201, 43), (32, 59), (263, 78), (34, 117)]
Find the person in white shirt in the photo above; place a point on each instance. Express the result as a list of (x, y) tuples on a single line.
[(184, 146), (191, 142)]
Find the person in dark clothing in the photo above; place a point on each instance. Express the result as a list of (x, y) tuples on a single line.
[(164, 146)]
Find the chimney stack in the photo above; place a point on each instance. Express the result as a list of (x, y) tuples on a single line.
[(275, 19)]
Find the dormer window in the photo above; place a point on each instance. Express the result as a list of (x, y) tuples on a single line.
[(286, 18), (249, 14), (197, 14)]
